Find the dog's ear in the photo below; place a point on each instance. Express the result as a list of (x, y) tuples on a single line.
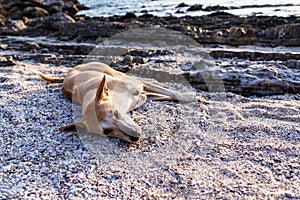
[(102, 91), (72, 127)]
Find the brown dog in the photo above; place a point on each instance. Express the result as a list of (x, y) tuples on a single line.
[(106, 96)]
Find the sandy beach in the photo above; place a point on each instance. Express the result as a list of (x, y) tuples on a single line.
[(241, 140)]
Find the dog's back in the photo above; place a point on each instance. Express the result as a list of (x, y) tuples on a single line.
[(125, 91)]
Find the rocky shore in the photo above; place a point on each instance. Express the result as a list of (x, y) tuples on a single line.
[(57, 18), (241, 141), (78, 35)]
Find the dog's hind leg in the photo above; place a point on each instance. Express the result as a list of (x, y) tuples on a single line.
[(158, 97), (162, 94)]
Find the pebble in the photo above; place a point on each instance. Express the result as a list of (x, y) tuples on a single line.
[(128, 59), (139, 60), (3, 46)]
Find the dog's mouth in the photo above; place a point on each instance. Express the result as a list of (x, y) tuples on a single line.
[(131, 134), (134, 139), (124, 136)]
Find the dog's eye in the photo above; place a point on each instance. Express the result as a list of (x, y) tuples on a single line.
[(116, 114), (107, 131)]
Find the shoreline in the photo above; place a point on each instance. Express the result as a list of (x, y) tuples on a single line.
[(180, 9)]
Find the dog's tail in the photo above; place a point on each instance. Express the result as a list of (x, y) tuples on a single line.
[(51, 79)]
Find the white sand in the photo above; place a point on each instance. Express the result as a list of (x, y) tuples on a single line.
[(230, 147)]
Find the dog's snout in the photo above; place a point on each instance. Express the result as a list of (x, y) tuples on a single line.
[(134, 135)]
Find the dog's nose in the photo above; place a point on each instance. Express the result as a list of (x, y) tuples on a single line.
[(134, 139), (135, 134)]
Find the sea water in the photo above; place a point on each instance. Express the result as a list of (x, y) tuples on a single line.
[(106, 8)]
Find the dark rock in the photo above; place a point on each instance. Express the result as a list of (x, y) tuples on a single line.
[(30, 46), (24, 8), (121, 67), (14, 13), (266, 21), (215, 8), (147, 16), (217, 28), (55, 21), (2, 79), (288, 31), (129, 15), (22, 4), (150, 53), (195, 7), (287, 34), (35, 12), (179, 11), (128, 59), (45, 50), (246, 79), (222, 15), (258, 56), (2, 16), (6, 61), (181, 5), (177, 28), (15, 24), (293, 64), (140, 60), (70, 7), (55, 9), (236, 32), (37, 9), (81, 6)]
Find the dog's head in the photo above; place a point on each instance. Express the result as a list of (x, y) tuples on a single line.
[(113, 121), (106, 118)]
